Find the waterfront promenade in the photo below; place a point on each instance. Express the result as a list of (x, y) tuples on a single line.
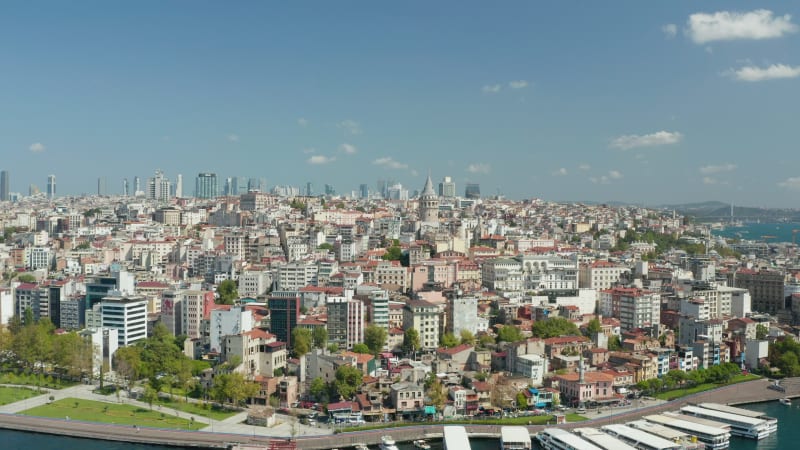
[(230, 431)]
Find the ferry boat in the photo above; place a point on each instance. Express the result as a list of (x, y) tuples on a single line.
[(785, 401), (743, 426), (602, 440), (387, 443), (422, 443), (515, 438), (558, 439), (772, 422), (456, 438), (640, 439), (716, 437)]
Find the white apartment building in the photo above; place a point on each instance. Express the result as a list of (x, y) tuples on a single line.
[(635, 308), (600, 274), (532, 366), (346, 318), (259, 352), (253, 283), (502, 274), (227, 322), (126, 314), (195, 305), (38, 258), (296, 275), (548, 272)]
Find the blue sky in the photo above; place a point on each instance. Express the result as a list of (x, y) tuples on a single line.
[(647, 102)]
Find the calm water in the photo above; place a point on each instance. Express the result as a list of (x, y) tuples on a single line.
[(788, 436), (754, 231)]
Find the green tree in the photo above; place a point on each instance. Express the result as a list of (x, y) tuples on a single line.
[(411, 341), (319, 336), (301, 341), (347, 382), (614, 343), (319, 389), (26, 278), (361, 348), (149, 395), (467, 337), (510, 333), (522, 401), (554, 326), (449, 340), (437, 394), (128, 363), (593, 327), (227, 292), (394, 253), (375, 338), (325, 246), (762, 331), (333, 347)]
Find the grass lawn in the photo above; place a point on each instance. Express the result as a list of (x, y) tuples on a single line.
[(14, 394), (197, 409), (34, 380), (528, 420), (678, 393), (121, 414)]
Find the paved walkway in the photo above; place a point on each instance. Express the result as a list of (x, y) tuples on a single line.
[(285, 426)]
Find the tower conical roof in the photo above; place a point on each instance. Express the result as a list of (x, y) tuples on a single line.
[(428, 189)]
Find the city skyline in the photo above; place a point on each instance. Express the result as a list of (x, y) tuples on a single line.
[(639, 103)]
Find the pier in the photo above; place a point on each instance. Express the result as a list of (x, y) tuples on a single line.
[(735, 394)]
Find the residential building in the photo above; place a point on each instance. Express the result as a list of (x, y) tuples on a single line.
[(125, 313), (284, 313), (206, 185), (533, 367), (462, 315), (423, 317), (635, 308), (345, 320)]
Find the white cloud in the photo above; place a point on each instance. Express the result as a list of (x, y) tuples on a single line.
[(584, 167), (710, 180), (389, 163), (518, 84), (303, 122), (350, 127), (37, 147), (629, 141), (560, 172), (233, 137), (600, 180), (321, 159), (730, 25), (348, 149), (773, 72), (491, 88), (790, 183), (479, 168), (711, 169), (670, 30), (614, 174)]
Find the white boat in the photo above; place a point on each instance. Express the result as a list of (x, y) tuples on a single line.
[(785, 401), (421, 443), (387, 443), (361, 447)]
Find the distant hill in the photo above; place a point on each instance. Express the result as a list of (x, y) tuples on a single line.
[(716, 210)]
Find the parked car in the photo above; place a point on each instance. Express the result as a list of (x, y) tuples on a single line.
[(580, 410)]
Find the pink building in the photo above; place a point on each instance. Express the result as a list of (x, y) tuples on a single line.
[(592, 387)]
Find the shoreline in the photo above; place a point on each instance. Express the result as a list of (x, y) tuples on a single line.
[(756, 391)]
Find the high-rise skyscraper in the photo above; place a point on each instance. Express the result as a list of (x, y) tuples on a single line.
[(309, 189), (447, 188), (364, 191), (179, 186), (51, 186), (126, 189), (137, 185), (329, 190), (102, 186), (206, 185), (4, 186), (158, 187), (473, 191)]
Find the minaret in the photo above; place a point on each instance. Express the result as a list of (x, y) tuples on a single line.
[(582, 378)]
